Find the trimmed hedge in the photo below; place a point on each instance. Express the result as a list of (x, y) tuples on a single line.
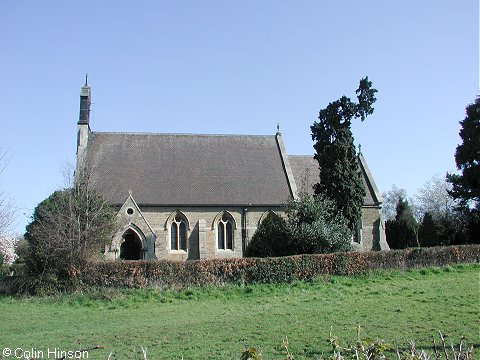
[(216, 272)]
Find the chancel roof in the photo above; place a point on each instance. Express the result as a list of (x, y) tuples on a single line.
[(306, 173), (187, 169)]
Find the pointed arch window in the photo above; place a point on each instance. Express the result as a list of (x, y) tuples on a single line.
[(225, 233), (178, 234)]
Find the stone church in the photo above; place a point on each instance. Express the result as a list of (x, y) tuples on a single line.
[(193, 196)]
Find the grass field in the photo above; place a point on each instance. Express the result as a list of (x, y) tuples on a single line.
[(219, 323)]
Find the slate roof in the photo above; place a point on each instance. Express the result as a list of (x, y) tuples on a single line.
[(305, 171), (189, 170)]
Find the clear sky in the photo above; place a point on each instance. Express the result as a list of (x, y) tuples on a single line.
[(240, 67)]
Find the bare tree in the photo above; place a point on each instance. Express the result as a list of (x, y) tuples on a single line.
[(390, 202), (69, 228), (434, 198)]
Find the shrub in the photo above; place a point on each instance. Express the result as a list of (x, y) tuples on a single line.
[(217, 272), (311, 227), (168, 274), (272, 238), (315, 226)]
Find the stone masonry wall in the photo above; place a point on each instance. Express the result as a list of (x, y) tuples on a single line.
[(373, 232), (201, 230), (152, 224)]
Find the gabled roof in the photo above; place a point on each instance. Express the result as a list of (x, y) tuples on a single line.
[(306, 173), (187, 169), (369, 183), (192, 169)]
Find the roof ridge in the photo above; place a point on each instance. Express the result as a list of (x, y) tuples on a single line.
[(297, 155), (178, 134)]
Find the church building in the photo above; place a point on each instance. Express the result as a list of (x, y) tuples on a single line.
[(200, 196)]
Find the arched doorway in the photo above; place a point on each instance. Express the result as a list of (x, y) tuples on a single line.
[(131, 248)]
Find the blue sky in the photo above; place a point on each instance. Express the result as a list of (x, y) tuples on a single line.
[(236, 67)]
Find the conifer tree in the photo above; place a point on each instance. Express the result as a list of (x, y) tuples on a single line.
[(429, 231), (403, 231), (340, 178), (466, 187)]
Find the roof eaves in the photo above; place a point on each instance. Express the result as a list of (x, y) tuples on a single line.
[(208, 205)]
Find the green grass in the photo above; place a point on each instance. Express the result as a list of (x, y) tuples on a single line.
[(212, 323)]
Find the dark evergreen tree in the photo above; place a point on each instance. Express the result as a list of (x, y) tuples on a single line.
[(466, 187), (403, 231), (428, 233), (340, 179), (474, 226), (465, 225), (272, 238), (391, 233)]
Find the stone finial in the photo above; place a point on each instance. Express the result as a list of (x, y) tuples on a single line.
[(278, 129)]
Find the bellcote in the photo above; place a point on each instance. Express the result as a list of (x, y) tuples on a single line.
[(83, 121), (85, 101)]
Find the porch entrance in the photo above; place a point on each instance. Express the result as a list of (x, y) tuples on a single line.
[(131, 248)]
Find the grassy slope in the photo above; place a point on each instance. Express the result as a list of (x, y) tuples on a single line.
[(219, 323)]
